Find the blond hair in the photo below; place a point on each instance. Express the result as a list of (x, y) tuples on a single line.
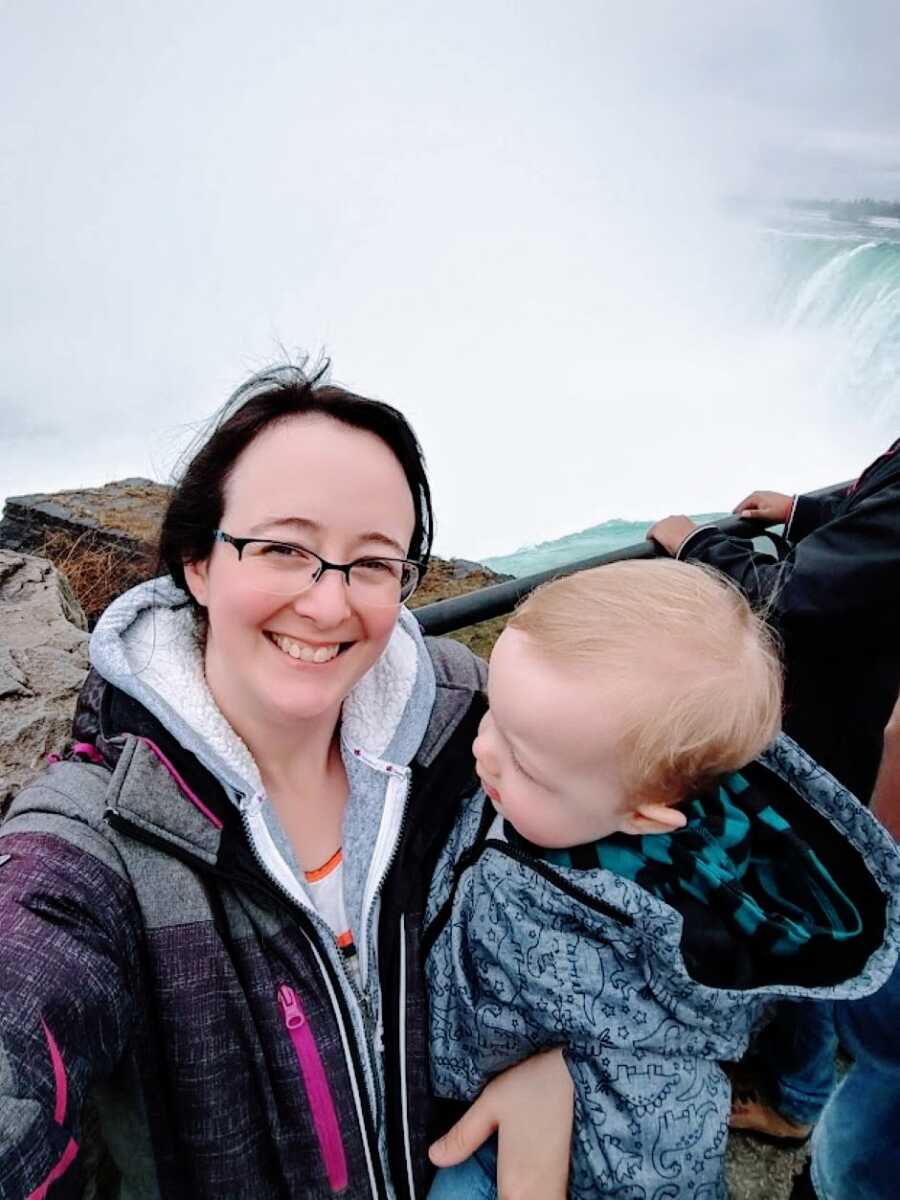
[(694, 672)]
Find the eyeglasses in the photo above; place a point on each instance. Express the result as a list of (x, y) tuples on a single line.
[(285, 569)]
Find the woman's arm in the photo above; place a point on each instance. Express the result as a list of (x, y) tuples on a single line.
[(530, 1106), (66, 1004), (886, 796)]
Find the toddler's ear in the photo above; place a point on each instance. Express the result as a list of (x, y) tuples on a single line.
[(653, 818)]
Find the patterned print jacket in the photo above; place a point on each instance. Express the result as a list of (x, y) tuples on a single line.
[(648, 995)]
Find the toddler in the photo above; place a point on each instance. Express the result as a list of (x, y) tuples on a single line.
[(630, 885)]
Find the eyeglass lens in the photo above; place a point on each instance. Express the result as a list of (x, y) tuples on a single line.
[(287, 570)]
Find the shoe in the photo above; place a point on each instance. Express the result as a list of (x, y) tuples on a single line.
[(750, 1113)]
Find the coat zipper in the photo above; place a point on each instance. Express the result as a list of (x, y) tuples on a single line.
[(301, 904), (329, 975), (316, 1084), (373, 893), (371, 896), (404, 1096), (363, 1113)]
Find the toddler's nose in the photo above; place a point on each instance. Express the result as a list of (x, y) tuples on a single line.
[(482, 748)]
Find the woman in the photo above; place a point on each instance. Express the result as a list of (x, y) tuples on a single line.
[(211, 910)]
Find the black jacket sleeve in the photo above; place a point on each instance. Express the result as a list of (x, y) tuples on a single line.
[(846, 569), (809, 512)]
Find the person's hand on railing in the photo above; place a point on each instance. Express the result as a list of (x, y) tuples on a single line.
[(670, 532), (765, 506)]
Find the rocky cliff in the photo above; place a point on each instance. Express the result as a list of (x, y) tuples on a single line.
[(43, 661)]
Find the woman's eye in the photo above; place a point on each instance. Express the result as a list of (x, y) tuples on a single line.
[(282, 550), (378, 566)]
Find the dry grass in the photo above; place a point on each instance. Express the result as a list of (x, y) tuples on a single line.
[(97, 572), (134, 507), (440, 584)]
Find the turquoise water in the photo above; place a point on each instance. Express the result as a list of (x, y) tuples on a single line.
[(599, 539)]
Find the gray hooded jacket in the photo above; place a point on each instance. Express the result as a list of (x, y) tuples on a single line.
[(161, 953)]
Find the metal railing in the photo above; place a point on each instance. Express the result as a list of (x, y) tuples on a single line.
[(444, 616)]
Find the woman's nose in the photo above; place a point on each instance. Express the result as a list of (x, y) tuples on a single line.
[(327, 601)]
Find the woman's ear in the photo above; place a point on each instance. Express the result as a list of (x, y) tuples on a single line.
[(196, 577), (652, 817)]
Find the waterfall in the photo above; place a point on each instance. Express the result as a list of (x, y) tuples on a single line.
[(844, 288)]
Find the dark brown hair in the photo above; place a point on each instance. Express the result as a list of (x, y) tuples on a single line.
[(277, 394)]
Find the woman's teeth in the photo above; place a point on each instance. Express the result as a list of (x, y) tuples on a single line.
[(303, 651)]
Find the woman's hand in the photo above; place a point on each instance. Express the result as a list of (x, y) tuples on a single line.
[(670, 532), (765, 506), (530, 1106)]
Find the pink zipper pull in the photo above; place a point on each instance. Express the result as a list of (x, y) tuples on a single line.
[(315, 1081), (287, 1001)]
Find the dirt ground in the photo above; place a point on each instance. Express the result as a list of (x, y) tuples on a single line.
[(760, 1172)]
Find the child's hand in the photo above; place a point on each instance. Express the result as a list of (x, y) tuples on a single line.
[(670, 532), (765, 506), (531, 1108)]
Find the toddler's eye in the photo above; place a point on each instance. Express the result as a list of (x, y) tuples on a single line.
[(519, 767)]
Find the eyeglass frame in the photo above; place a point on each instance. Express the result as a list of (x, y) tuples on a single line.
[(219, 535)]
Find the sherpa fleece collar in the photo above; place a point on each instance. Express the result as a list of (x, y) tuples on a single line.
[(145, 644)]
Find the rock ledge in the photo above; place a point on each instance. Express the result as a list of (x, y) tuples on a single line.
[(43, 662)]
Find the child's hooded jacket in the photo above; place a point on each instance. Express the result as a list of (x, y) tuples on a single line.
[(651, 973)]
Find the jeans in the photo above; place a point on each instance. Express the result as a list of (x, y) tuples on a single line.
[(797, 1058), (474, 1179), (856, 1144)]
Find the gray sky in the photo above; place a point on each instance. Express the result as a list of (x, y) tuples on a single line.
[(502, 217)]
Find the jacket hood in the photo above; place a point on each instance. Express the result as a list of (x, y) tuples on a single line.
[(748, 888), (781, 882), (146, 645)]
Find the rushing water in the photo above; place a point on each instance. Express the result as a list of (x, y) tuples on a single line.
[(829, 286), (610, 535), (843, 279)]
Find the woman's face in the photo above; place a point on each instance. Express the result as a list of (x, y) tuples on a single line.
[(340, 492)]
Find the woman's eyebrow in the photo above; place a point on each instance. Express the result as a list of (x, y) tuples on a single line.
[(305, 525)]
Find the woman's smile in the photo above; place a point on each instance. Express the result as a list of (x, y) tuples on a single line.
[(299, 650), (341, 484)]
